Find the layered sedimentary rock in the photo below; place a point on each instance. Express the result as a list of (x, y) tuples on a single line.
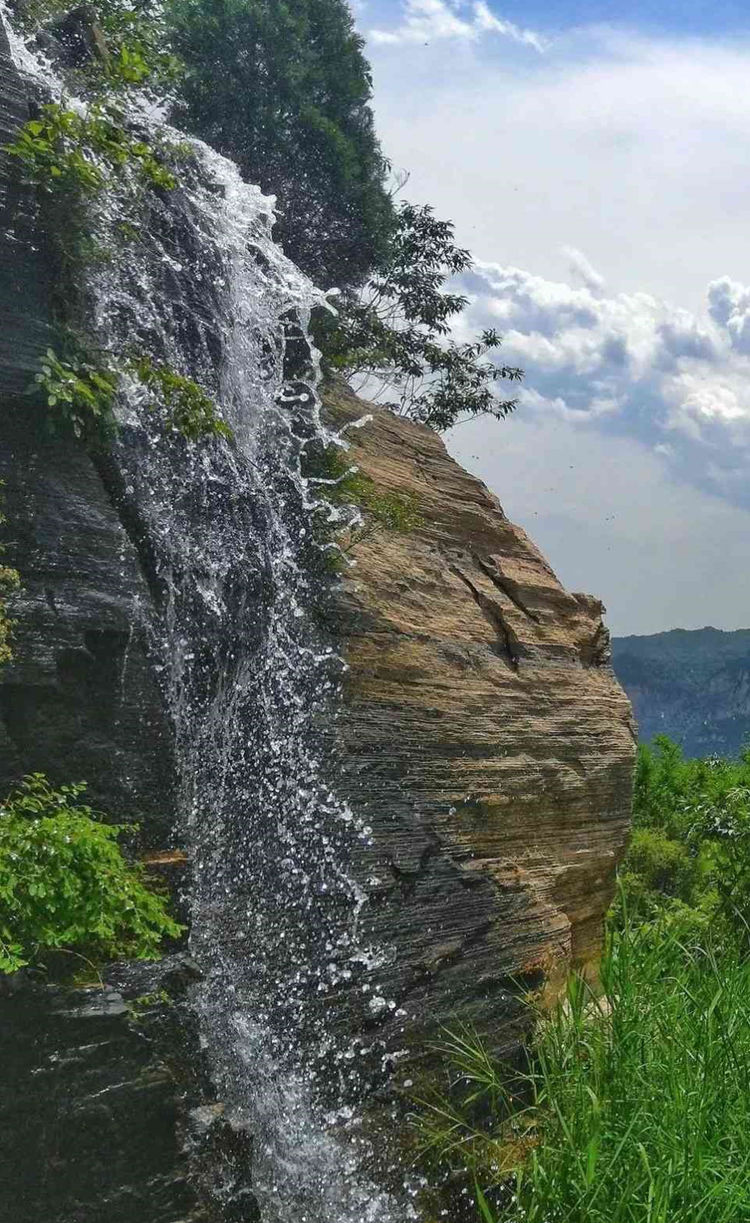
[(481, 735), (485, 735)]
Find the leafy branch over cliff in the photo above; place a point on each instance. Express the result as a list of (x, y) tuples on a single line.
[(393, 336)]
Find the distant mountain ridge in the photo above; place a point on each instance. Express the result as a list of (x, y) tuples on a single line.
[(690, 684)]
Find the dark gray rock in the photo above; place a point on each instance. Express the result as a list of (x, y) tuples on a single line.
[(88, 1114), (24, 278), (79, 701)]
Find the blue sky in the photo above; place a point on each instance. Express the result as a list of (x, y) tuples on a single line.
[(699, 17), (596, 160)]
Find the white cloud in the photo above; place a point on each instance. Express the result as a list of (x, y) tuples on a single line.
[(426, 20), (582, 270), (632, 150), (630, 364)]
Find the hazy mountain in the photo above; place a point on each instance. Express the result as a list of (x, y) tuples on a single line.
[(691, 685)]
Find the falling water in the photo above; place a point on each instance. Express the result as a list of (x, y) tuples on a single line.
[(224, 531)]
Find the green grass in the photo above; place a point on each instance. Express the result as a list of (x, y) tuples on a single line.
[(636, 1104), (632, 1103)]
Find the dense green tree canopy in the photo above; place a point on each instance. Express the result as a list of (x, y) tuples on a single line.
[(284, 89)]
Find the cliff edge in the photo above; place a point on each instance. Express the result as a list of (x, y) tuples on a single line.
[(485, 735)]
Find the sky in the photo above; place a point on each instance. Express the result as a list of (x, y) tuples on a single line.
[(595, 158)]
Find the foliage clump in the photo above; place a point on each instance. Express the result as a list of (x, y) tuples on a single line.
[(185, 405), (284, 89), (688, 866), (138, 50), (10, 582), (65, 883), (63, 151), (108, 46), (80, 391), (393, 336)]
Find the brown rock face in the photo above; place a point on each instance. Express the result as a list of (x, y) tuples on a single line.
[(485, 736)]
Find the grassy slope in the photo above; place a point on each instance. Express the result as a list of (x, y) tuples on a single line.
[(636, 1103)]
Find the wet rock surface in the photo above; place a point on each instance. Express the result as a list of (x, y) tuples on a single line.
[(79, 701), (106, 1112), (88, 1114), (24, 277)]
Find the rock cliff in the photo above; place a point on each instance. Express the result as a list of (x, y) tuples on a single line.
[(481, 735), (692, 685), (485, 736)]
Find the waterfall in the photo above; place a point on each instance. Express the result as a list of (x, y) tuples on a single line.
[(224, 531)]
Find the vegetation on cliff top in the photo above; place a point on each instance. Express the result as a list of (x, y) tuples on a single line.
[(284, 89)]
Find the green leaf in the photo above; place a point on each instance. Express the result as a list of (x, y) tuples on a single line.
[(485, 1211)]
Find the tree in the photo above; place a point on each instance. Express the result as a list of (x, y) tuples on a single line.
[(392, 337), (284, 89)]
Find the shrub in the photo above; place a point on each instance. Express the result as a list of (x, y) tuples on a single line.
[(691, 842), (65, 884), (119, 46), (664, 865)]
